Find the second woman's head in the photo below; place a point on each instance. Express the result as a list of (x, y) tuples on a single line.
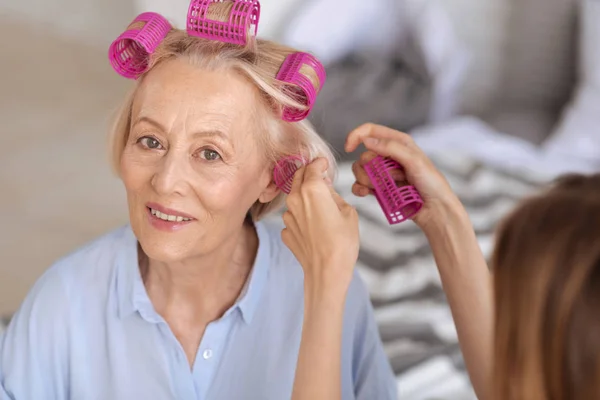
[(546, 271)]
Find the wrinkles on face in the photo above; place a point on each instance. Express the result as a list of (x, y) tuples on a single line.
[(193, 147)]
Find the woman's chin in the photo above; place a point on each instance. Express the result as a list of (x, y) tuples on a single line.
[(165, 246), (164, 252)]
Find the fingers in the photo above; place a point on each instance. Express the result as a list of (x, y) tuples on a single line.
[(403, 154), (309, 184), (316, 170), (358, 136), (366, 157), (298, 179), (363, 179), (360, 190)]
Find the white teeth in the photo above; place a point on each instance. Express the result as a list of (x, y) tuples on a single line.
[(166, 217)]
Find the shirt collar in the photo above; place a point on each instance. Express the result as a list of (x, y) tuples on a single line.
[(128, 276), (249, 299), (132, 296)]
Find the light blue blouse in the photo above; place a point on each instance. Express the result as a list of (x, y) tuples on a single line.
[(88, 331)]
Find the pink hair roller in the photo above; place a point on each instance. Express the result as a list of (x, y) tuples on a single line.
[(304, 89), (130, 53), (244, 16), (283, 174), (397, 203)]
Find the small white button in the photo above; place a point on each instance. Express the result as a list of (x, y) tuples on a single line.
[(207, 354)]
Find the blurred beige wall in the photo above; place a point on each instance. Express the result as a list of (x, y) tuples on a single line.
[(57, 93), (80, 19)]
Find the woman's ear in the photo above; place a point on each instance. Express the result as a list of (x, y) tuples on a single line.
[(270, 192)]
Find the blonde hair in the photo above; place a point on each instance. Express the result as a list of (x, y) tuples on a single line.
[(258, 61)]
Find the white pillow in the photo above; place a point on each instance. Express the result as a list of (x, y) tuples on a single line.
[(590, 42), (578, 134), (331, 29)]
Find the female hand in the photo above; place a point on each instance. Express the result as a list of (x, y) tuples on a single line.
[(321, 229), (419, 171), (443, 219), (322, 232)]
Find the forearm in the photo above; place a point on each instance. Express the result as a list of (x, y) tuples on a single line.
[(319, 362), (467, 282)]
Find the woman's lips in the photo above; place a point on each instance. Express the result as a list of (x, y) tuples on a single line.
[(166, 219), (167, 213)]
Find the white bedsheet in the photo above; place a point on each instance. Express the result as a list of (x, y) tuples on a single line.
[(473, 137)]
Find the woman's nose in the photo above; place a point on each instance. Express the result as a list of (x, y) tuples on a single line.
[(171, 175)]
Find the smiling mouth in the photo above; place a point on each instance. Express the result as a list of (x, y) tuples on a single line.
[(168, 217)]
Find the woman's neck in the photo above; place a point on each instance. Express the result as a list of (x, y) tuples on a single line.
[(200, 290)]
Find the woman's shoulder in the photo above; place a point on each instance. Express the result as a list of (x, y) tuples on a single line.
[(64, 284), (60, 302), (95, 257)]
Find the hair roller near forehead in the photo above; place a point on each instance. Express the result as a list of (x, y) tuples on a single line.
[(243, 18), (129, 54), (298, 85), (397, 203), (283, 174)]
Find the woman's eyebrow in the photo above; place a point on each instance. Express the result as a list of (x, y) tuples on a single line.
[(211, 133), (203, 133), (150, 121)]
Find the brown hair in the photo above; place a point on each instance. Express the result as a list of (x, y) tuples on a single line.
[(546, 268), (258, 61)]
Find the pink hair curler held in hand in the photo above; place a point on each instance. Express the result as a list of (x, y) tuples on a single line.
[(303, 89), (397, 203), (283, 174), (243, 17), (129, 54)]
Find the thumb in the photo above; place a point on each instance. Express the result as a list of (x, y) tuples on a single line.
[(316, 169)]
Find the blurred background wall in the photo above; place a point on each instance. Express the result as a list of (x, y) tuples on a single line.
[(56, 95)]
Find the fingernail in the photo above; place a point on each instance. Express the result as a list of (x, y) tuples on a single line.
[(371, 141)]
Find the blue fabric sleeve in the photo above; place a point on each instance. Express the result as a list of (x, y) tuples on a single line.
[(372, 373), (3, 393), (33, 350)]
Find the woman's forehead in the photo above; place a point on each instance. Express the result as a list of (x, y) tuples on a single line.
[(177, 91)]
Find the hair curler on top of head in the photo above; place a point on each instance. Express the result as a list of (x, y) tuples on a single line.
[(303, 90), (206, 21)]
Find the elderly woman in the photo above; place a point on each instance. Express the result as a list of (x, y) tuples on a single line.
[(196, 298)]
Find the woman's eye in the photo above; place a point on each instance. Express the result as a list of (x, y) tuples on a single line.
[(210, 155), (150, 142)]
